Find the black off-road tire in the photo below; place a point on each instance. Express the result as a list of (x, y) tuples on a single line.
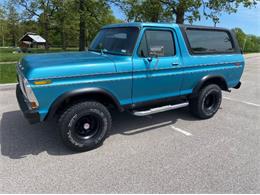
[(207, 103), (84, 126)]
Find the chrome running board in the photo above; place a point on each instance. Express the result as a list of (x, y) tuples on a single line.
[(160, 109)]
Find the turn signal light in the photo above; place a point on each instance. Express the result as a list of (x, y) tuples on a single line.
[(42, 82), (34, 105)]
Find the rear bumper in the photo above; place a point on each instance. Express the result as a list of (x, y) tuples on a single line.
[(238, 85), (32, 116)]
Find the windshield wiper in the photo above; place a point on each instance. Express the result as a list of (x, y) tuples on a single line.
[(101, 51), (96, 50), (116, 53)]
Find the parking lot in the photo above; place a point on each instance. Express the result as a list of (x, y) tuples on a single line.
[(167, 152)]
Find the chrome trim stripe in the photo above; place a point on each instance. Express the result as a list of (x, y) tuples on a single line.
[(120, 79), (125, 72)]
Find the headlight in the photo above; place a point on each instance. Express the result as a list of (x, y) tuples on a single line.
[(30, 95)]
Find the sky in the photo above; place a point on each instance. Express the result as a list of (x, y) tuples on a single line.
[(246, 19)]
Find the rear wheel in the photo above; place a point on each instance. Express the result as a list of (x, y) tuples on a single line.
[(207, 103), (84, 126)]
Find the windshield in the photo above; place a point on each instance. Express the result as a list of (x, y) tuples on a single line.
[(115, 40)]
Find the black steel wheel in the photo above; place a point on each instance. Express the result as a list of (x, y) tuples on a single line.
[(207, 103), (84, 126)]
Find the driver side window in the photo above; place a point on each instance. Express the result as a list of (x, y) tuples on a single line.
[(157, 42)]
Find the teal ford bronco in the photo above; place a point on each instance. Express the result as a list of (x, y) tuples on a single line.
[(143, 68)]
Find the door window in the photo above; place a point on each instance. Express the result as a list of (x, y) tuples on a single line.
[(157, 43)]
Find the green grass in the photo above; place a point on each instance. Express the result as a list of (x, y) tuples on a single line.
[(10, 57), (9, 54), (7, 73)]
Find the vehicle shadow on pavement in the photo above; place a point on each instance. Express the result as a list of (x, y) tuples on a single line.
[(18, 138)]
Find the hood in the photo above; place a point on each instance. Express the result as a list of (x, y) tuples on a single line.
[(65, 64)]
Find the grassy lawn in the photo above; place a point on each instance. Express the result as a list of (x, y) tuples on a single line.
[(10, 57), (7, 73), (10, 54)]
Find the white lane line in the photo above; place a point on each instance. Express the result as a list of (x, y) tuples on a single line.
[(244, 102), (146, 128), (181, 131)]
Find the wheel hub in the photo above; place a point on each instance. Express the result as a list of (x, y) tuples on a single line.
[(86, 126)]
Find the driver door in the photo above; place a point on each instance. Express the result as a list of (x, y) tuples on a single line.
[(156, 66)]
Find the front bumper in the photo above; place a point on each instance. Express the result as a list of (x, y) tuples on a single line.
[(32, 116)]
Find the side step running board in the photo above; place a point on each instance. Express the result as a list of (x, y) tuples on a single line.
[(160, 109)]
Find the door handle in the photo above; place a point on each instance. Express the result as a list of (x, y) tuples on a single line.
[(175, 64)]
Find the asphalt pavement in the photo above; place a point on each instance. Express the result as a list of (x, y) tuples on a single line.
[(170, 152)]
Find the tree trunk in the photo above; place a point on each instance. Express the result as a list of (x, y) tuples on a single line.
[(46, 30), (155, 17), (62, 35), (13, 37), (46, 34), (180, 15), (82, 26)]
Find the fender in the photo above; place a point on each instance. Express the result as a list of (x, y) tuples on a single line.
[(216, 79), (84, 91)]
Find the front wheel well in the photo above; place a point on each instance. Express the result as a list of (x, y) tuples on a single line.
[(63, 103)]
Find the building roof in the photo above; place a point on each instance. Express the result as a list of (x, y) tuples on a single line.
[(37, 38), (33, 38)]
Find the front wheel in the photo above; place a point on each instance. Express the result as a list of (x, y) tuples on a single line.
[(84, 126), (207, 103)]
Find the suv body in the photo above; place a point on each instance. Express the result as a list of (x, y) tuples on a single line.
[(133, 66)]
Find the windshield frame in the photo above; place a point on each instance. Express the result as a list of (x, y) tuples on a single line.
[(114, 52)]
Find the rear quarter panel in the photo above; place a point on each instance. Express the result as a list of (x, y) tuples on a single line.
[(195, 67)]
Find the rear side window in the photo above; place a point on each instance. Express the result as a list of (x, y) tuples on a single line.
[(209, 41), (159, 41)]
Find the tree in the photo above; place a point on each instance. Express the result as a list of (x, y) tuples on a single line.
[(140, 11), (61, 19), (2, 25), (241, 37), (149, 10), (82, 25), (12, 21), (92, 14), (181, 10), (184, 9), (248, 43), (41, 9)]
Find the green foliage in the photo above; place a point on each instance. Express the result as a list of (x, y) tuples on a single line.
[(248, 43), (58, 21), (12, 22), (55, 20), (179, 10), (10, 57), (144, 11)]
